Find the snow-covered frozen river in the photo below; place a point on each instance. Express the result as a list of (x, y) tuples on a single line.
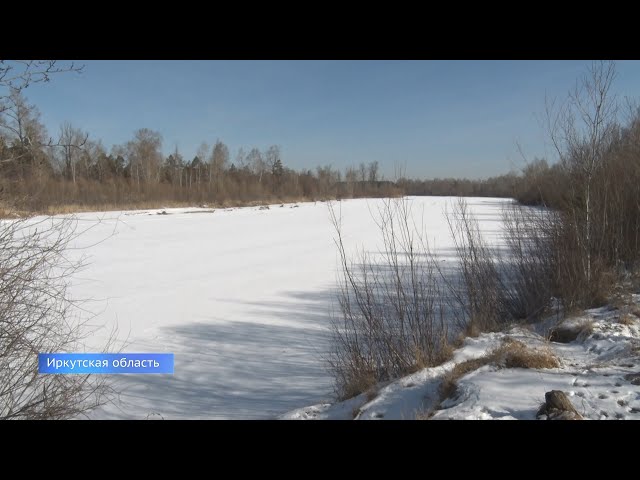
[(242, 297)]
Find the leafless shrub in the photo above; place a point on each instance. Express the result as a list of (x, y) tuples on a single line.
[(569, 280), (391, 321), (503, 283), (36, 316), (476, 293), (527, 267), (392, 305)]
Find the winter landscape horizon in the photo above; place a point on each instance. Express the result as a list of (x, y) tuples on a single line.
[(247, 316), (308, 240)]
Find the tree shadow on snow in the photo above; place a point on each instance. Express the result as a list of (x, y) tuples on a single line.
[(239, 369)]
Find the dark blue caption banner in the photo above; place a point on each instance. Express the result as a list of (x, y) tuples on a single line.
[(104, 363)]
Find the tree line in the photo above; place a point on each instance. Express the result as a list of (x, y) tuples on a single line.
[(37, 173)]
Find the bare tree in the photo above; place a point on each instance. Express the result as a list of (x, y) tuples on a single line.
[(203, 154), (71, 140), (20, 123), (581, 131), (362, 170), (351, 177), (96, 161), (36, 312), (241, 158), (144, 155), (373, 172), (327, 179), (17, 117), (256, 163), (218, 163), (17, 75), (271, 156), (174, 166)]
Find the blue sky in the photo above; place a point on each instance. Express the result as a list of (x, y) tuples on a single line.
[(432, 118)]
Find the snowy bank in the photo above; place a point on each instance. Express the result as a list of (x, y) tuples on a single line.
[(599, 372)]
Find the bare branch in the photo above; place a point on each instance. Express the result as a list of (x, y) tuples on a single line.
[(20, 74)]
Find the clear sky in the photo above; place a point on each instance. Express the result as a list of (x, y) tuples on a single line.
[(433, 118)]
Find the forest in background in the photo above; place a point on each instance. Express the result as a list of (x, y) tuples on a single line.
[(71, 170)]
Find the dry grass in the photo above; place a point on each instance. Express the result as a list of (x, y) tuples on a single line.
[(509, 354), (108, 207), (458, 341), (626, 319), (257, 203), (7, 211), (446, 353), (425, 415), (515, 354), (371, 394), (449, 383), (472, 330), (358, 382), (65, 209)]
